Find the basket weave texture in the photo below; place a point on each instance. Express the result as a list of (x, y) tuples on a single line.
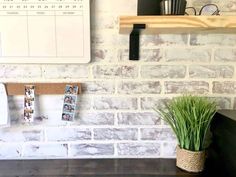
[(189, 160)]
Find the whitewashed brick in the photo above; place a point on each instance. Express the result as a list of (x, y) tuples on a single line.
[(213, 39), (139, 149), (65, 71), (132, 87), (102, 21), (226, 87), (115, 134), (169, 149), (163, 40), (188, 55), (209, 71), (119, 7), (98, 87), (234, 103), (161, 134), (104, 103), (2, 70), (149, 103), (146, 55), (142, 118), (104, 38), (67, 134), (103, 55), (163, 71), (227, 6), (45, 150), (20, 135), (222, 102), (22, 71), (111, 71), (16, 102), (225, 55), (95, 118), (199, 87), (77, 150), (84, 102), (10, 151)]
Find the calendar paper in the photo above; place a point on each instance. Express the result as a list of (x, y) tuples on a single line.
[(44, 31)]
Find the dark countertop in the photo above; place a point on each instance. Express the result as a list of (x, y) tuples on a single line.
[(93, 168)]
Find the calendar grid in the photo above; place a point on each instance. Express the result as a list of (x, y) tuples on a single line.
[(48, 29)]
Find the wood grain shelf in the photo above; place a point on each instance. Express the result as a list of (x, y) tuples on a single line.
[(179, 24), (40, 88)]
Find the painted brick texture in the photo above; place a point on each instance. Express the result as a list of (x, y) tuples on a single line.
[(115, 116)]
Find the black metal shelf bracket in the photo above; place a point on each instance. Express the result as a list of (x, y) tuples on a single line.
[(134, 41)]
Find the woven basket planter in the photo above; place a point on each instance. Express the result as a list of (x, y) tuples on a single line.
[(189, 160)]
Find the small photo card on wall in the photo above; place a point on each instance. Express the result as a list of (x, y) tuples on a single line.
[(69, 103), (29, 103)]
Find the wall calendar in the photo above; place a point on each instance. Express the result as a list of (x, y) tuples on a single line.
[(45, 31)]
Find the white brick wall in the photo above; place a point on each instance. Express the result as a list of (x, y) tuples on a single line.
[(115, 117)]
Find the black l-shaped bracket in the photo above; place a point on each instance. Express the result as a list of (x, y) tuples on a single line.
[(134, 41)]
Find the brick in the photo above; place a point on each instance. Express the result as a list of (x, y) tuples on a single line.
[(209, 71), (68, 134), (116, 134), (163, 40), (146, 55), (115, 103), (226, 87), (123, 41), (146, 87), (234, 103), (20, 135), (222, 102), (77, 150), (45, 150), (65, 71), (197, 87), (95, 118), (161, 134), (98, 87), (22, 71), (142, 118), (163, 71), (213, 39), (2, 70), (227, 6), (102, 55), (102, 21), (111, 71), (84, 102), (103, 38), (10, 151), (119, 7), (149, 103), (16, 102), (198, 4), (169, 149), (139, 149), (188, 55), (225, 55)]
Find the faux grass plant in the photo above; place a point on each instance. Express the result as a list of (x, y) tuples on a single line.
[(189, 117)]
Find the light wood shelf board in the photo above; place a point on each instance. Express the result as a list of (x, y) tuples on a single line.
[(179, 24)]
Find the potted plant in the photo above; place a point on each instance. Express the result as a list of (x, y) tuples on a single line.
[(189, 117)]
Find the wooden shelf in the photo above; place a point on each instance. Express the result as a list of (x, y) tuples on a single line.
[(179, 24), (40, 88)]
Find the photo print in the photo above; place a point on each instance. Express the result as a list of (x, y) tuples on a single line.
[(69, 104), (29, 103)]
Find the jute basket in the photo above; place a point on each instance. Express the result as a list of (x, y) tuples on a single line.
[(189, 160)]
